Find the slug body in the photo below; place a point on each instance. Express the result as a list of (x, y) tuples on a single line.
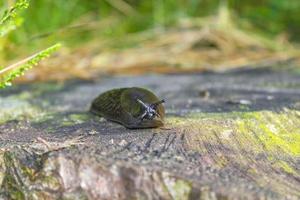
[(132, 107)]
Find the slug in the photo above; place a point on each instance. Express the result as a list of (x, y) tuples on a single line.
[(132, 107)]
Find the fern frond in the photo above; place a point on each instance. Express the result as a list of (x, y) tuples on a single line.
[(8, 74), (10, 20)]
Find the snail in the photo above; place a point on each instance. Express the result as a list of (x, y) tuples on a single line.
[(132, 107)]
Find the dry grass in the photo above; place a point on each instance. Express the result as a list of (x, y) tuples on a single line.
[(212, 43)]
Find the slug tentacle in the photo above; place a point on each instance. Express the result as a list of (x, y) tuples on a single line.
[(154, 105), (132, 107), (150, 110)]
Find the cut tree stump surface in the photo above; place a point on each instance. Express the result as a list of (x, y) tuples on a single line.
[(232, 135)]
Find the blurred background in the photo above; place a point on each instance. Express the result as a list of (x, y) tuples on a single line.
[(154, 36)]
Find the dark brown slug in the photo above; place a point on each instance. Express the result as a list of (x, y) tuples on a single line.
[(132, 107)]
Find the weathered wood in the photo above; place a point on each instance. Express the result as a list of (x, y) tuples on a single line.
[(233, 135)]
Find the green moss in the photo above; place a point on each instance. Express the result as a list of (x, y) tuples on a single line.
[(2, 167), (42, 88), (283, 165), (216, 116), (55, 120), (72, 119), (17, 107), (282, 85), (79, 118), (178, 189), (181, 190), (10, 184), (246, 135), (20, 176), (296, 70), (244, 107), (277, 131), (15, 192), (175, 121)]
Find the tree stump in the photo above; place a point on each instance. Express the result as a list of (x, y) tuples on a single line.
[(231, 135)]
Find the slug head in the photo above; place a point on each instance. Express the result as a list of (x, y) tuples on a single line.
[(150, 110), (144, 109)]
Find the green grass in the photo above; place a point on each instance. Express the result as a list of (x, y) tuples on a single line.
[(55, 20), (9, 21)]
